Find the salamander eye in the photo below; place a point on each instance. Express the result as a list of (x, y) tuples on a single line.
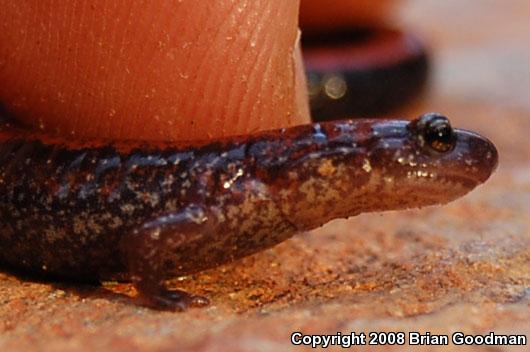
[(435, 131)]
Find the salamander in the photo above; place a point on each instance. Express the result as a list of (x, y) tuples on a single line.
[(139, 211)]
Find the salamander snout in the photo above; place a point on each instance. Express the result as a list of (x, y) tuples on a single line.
[(463, 154), (474, 155)]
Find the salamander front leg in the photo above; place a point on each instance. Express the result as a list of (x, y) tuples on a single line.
[(150, 255)]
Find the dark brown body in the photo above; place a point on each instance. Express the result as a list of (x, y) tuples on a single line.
[(65, 210), (102, 210)]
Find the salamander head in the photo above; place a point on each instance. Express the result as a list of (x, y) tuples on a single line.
[(377, 165), (426, 161)]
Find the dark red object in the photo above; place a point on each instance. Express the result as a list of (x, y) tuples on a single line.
[(363, 72)]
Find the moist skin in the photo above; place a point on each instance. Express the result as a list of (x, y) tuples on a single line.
[(99, 210)]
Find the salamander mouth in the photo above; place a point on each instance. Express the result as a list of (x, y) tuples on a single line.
[(440, 190), (466, 181)]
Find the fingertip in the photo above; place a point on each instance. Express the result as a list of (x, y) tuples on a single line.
[(153, 70)]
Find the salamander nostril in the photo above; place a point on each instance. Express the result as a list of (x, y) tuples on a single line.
[(435, 132)]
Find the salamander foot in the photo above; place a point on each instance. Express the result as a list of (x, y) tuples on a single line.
[(154, 251), (173, 300)]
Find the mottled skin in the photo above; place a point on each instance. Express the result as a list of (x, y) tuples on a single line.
[(141, 211)]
